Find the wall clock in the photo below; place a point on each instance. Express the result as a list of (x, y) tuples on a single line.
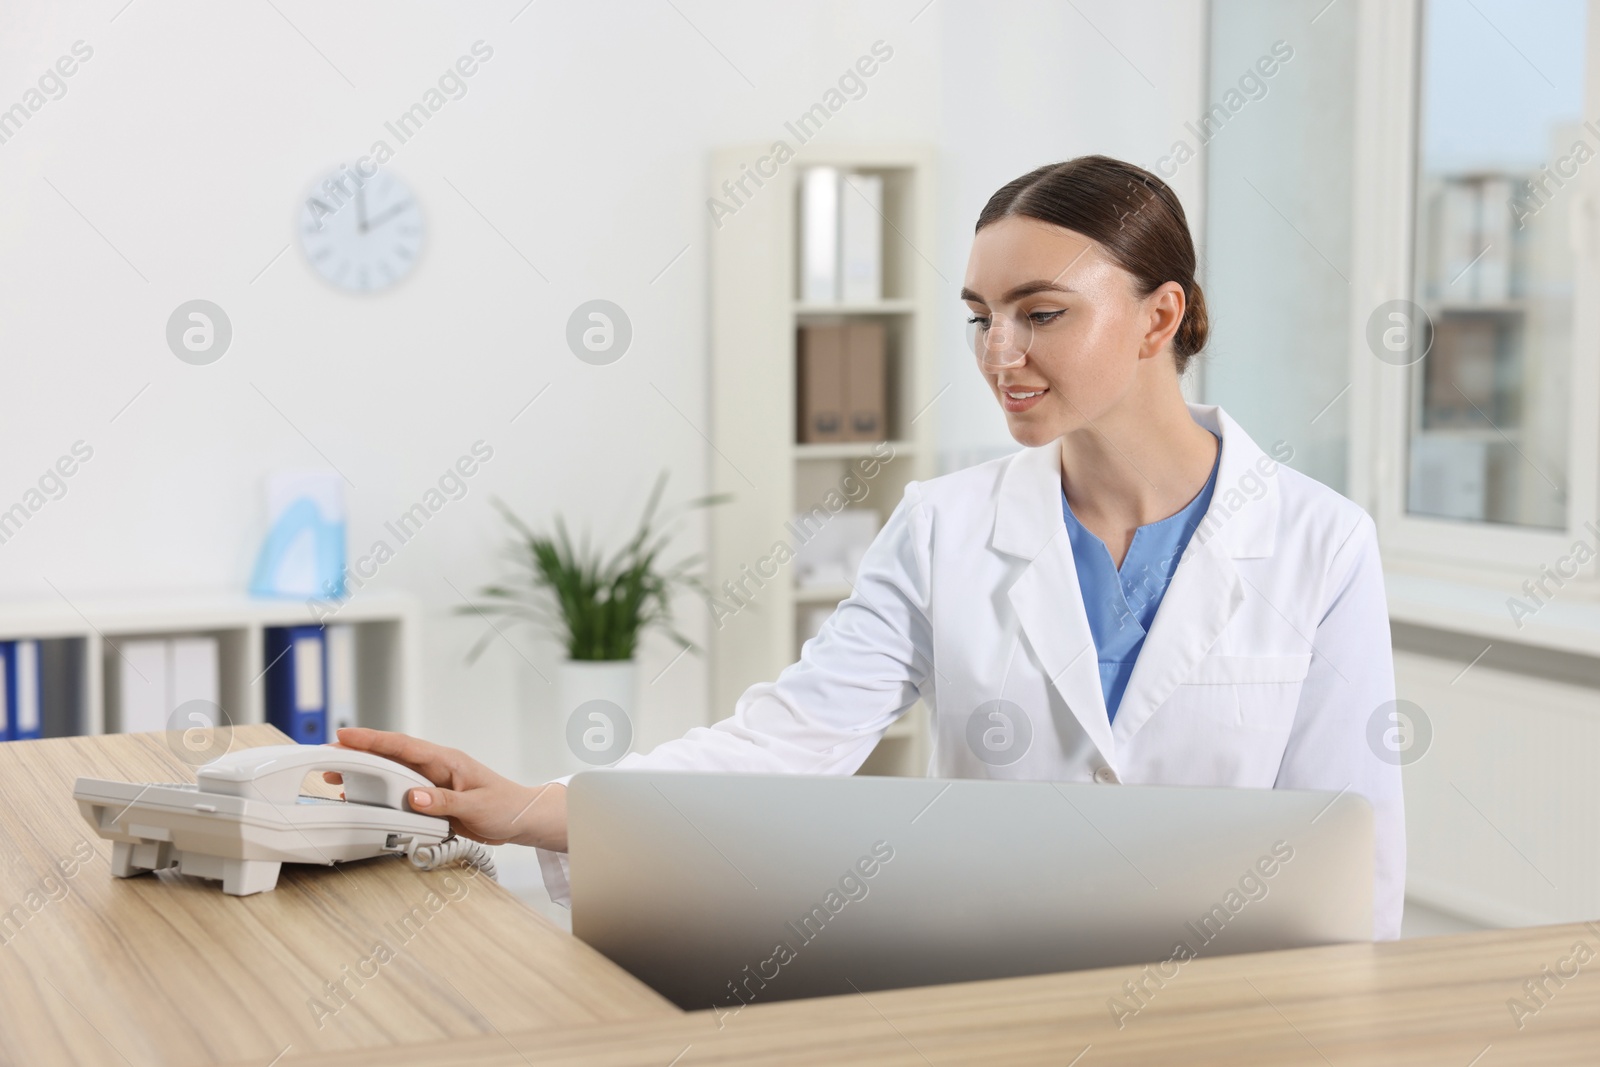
[(361, 237)]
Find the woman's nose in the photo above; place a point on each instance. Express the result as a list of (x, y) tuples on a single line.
[(1005, 343)]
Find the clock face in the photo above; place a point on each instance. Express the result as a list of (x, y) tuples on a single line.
[(365, 237)]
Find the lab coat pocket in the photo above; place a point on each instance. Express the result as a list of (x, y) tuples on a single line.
[(1248, 692)]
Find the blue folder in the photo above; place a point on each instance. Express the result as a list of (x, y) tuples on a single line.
[(21, 707), (26, 701), (297, 682)]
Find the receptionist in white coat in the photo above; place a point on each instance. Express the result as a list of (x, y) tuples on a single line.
[(1141, 595)]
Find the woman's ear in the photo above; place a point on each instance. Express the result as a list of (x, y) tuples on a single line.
[(1163, 310)]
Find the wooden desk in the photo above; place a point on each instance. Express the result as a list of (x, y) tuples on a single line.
[(166, 970), (1436, 1001)]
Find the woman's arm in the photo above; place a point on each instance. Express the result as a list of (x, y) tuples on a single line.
[(863, 670), (1351, 677), (823, 714)]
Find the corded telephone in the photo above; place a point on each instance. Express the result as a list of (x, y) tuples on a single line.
[(244, 817)]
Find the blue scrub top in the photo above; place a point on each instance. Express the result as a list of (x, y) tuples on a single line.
[(1122, 604)]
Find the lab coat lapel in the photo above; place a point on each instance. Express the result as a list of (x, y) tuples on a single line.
[(1046, 597), (1206, 589), (1203, 596)]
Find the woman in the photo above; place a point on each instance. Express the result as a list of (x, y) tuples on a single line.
[(1019, 599)]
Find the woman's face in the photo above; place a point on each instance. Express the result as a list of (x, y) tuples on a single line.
[(1058, 327)]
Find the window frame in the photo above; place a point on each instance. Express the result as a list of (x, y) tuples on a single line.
[(1389, 64)]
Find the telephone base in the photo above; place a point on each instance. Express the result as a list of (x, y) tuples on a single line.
[(243, 838), (129, 858), (239, 877), (244, 817)]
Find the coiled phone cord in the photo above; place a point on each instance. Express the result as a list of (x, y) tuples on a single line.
[(452, 850)]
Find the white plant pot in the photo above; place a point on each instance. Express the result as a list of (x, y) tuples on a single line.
[(595, 705)]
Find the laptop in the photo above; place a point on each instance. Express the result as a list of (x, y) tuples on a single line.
[(720, 890)]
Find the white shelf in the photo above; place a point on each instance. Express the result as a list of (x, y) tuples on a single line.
[(831, 593), (89, 629), (182, 612), (880, 307), (852, 449)]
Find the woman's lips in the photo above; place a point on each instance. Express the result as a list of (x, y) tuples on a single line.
[(1017, 399)]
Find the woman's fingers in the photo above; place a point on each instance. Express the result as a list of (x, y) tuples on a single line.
[(434, 762), (438, 802)]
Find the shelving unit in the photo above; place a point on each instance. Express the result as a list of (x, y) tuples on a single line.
[(755, 317), (77, 638)]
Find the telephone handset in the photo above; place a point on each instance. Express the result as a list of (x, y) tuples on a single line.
[(244, 817), (274, 772)]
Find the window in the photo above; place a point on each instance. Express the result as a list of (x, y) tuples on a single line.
[(1475, 341), (1500, 140)]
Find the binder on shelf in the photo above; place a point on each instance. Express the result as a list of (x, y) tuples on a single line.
[(297, 682), (865, 382), (819, 235), (193, 671), (26, 718), (148, 679), (137, 675), (821, 392), (861, 239), (8, 687), (341, 647)]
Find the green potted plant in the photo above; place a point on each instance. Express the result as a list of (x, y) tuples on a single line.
[(599, 607)]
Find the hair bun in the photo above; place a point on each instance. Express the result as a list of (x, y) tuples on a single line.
[(1195, 328)]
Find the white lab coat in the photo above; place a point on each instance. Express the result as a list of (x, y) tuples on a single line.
[(1267, 658)]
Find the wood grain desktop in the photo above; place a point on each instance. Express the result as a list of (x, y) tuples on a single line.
[(167, 970)]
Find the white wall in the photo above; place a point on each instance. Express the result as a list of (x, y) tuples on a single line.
[(190, 137), (1281, 212)]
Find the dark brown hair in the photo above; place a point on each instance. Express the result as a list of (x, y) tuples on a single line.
[(1129, 211)]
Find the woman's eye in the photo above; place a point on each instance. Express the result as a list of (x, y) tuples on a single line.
[(980, 321), (1042, 317)]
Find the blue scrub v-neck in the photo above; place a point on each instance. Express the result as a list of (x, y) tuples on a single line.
[(1121, 604)]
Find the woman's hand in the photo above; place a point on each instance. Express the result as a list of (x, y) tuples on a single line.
[(479, 803)]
